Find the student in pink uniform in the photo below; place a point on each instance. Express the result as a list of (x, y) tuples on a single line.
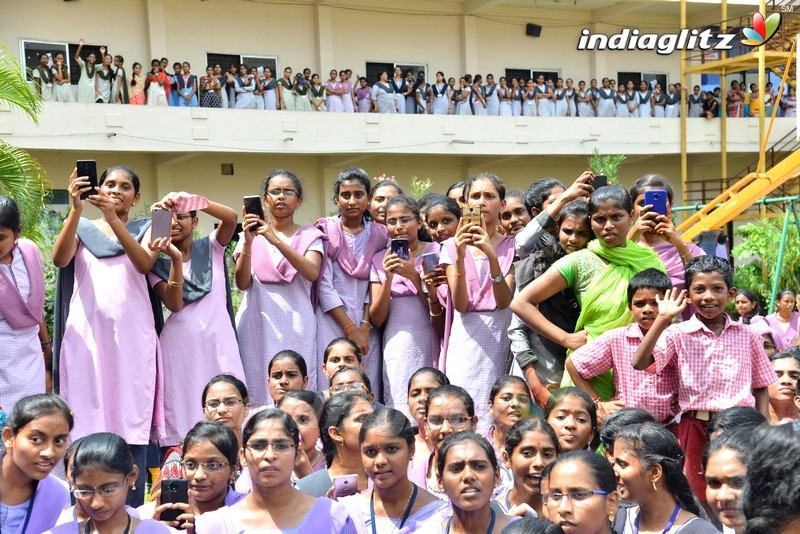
[(105, 329), (277, 261), (785, 321), (198, 341)]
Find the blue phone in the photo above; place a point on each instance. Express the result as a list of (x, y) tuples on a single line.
[(658, 199)]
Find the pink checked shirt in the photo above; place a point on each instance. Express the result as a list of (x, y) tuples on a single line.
[(654, 392), (714, 373)]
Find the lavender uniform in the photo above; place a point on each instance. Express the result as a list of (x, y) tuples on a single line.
[(198, 342), (146, 526), (476, 349), (409, 340), (22, 292), (360, 512), (41, 511), (344, 282), (325, 517), (106, 340), (277, 312)]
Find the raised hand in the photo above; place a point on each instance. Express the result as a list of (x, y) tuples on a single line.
[(77, 186), (673, 303), (105, 203), (581, 187)]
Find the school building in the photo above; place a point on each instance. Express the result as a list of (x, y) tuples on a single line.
[(224, 153)]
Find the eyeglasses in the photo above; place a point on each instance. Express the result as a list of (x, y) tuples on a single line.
[(575, 497), (455, 421), (349, 386), (182, 216), (211, 467), (259, 448), (213, 404), (286, 192), (84, 494)]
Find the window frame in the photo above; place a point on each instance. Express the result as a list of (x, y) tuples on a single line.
[(405, 65), (275, 74), (23, 55)]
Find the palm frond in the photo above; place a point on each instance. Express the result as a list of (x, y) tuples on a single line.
[(14, 88), (23, 179)]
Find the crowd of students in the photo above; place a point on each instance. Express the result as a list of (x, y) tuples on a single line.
[(430, 349), (241, 87)]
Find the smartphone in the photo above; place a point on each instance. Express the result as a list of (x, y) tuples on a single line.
[(344, 485), (471, 214), (88, 167), (399, 246), (162, 224), (174, 490), (252, 205), (600, 180), (658, 199), (430, 261)]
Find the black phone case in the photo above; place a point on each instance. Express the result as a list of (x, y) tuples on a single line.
[(399, 246), (600, 180), (88, 167), (252, 205), (173, 490)]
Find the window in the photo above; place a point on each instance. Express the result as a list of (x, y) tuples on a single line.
[(531, 74), (74, 69), (548, 74), (375, 68), (226, 60), (30, 50), (636, 77), (519, 74)]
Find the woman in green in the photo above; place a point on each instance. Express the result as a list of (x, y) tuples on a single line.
[(599, 275)]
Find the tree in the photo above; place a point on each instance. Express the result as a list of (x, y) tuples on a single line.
[(21, 176)]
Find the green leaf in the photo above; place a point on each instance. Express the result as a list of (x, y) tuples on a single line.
[(14, 88), (23, 179)]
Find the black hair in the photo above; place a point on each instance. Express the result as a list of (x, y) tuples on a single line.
[(448, 203), (176, 64), (406, 201), (454, 186), (220, 437), (786, 354), (383, 183), (162, 59), (291, 355), (32, 407), (576, 209), (364, 378), (496, 182), (425, 199), (70, 453), (286, 174), (708, 264), (437, 375), (450, 390), (456, 439), (335, 410), (786, 292), (558, 395), (621, 419), (304, 395), (289, 426), (539, 192), (532, 525), (519, 429), (134, 178), (516, 193), (341, 341), (9, 214), (550, 249), (501, 382), (752, 297), (735, 417), (739, 441), (649, 279), (228, 379), (651, 181), (104, 451), (771, 495), (597, 467), (654, 444), (398, 425), (350, 174), (612, 194)]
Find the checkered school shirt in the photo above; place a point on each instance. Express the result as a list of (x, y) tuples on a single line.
[(654, 392), (714, 373)]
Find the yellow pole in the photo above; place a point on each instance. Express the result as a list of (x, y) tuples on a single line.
[(762, 67), (683, 108), (723, 85)]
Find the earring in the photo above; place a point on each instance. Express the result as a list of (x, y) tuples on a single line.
[(610, 518), (654, 487), (133, 487)]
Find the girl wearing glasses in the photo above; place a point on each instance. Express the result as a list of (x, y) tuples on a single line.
[(103, 473), (581, 495), (210, 461), (225, 400), (648, 462), (277, 261), (340, 424), (394, 502), (35, 438), (401, 306), (449, 409), (530, 446), (270, 450), (198, 341)]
